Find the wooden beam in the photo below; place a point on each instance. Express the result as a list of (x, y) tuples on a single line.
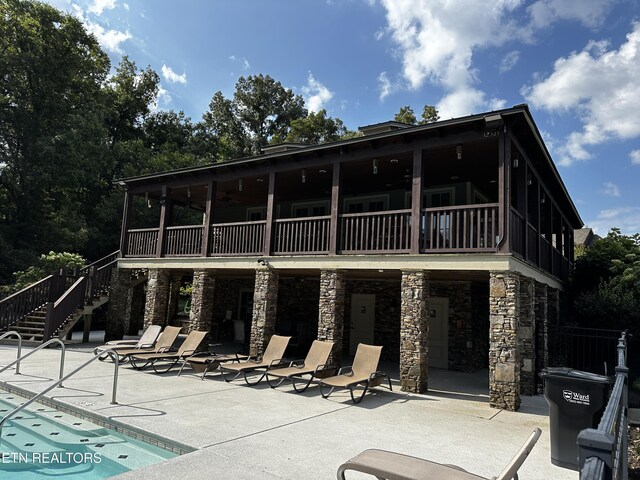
[(208, 213), (416, 201), (505, 141), (268, 230), (335, 210), (126, 214), (165, 219)]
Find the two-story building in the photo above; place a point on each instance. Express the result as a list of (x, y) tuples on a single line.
[(448, 243)]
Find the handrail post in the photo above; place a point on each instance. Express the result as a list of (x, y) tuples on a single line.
[(19, 354), (40, 347)]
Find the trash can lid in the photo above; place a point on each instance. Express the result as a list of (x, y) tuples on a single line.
[(565, 372)]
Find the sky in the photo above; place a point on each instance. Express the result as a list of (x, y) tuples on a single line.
[(576, 63)]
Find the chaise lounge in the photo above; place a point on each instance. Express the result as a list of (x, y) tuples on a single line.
[(206, 362), (163, 344), (314, 365), (395, 466), (145, 342), (364, 371), (271, 358), (188, 348)]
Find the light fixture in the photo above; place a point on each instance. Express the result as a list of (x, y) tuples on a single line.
[(375, 166), (516, 161), (322, 170), (304, 176), (259, 179), (239, 184), (459, 152), (543, 198), (394, 160), (492, 181), (455, 177), (188, 192)]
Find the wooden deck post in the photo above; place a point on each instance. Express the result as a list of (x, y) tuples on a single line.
[(206, 230), (126, 213), (335, 210), (268, 229), (504, 191), (416, 201), (165, 219)]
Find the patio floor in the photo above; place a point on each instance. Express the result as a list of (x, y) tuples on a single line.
[(258, 432)]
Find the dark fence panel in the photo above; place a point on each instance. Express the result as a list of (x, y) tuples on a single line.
[(587, 349)]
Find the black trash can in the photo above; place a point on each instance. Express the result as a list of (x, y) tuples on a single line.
[(576, 401)]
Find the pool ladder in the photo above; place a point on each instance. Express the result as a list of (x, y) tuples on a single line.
[(58, 383)]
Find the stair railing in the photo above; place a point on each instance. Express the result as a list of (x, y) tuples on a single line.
[(40, 347), (15, 334), (58, 383), (20, 304), (60, 310)]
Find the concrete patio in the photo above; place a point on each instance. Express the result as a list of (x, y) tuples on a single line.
[(258, 432)]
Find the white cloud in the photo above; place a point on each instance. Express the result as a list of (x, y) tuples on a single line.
[(109, 39), (385, 86), (610, 189), (172, 77), (163, 99), (602, 85), (509, 61), (315, 94), (625, 218), (243, 61), (590, 13), (634, 155), (98, 6), (497, 103)]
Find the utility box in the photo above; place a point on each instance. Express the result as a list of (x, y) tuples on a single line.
[(576, 401)]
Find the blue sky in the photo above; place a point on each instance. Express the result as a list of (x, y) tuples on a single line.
[(575, 62)]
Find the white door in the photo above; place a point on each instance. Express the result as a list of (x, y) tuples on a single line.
[(438, 332), (363, 314)]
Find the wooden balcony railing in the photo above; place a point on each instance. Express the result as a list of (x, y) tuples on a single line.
[(518, 233), (532, 244), (238, 238), (545, 254), (377, 232), (308, 235), (184, 241), (142, 242), (460, 229)]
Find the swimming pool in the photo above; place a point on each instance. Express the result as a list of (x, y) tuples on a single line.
[(41, 442)]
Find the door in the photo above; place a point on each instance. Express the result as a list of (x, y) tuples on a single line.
[(363, 315), (438, 332)]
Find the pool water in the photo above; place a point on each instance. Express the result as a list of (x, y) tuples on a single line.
[(41, 442)]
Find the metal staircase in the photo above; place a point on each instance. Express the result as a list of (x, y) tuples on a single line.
[(52, 306)]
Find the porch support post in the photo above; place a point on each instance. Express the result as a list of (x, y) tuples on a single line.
[(331, 311), (416, 201), (118, 304), (165, 219), (414, 331), (155, 307), (335, 210), (542, 331), (208, 211), (526, 336), (504, 357), (202, 299), (504, 185), (265, 300), (268, 229), (126, 214)]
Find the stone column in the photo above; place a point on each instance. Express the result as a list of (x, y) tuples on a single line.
[(526, 336), (118, 304), (414, 331), (504, 358), (331, 311), (265, 300), (542, 334), (201, 314), (155, 307), (175, 282)]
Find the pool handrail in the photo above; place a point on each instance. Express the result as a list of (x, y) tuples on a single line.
[(9, 334), (59, 383), (40, 347)]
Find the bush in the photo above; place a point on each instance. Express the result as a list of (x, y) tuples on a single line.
[(47, 264)]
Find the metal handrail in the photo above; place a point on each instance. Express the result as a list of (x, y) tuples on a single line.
[(9, 334), (59, 383), (39, 347)]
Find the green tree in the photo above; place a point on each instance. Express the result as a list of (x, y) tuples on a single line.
[(261, 109), (51, 128), (406, 115), (429, 115), (314, 129), (46, 265)]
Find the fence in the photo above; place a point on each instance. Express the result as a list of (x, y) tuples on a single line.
[(588, 349), (603, 451)]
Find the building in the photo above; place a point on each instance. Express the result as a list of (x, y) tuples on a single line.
[(448, 243)]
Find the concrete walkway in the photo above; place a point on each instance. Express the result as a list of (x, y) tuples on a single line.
[(258, 432)]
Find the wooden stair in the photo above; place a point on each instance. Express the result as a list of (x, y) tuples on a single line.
[(32, 326)]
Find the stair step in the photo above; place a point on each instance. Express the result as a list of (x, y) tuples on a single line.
[(21, 329), (31, 324)]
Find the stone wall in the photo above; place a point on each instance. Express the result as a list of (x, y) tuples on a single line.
[(504, 358), (331, 310), (414, 331), (155, 307), (265, 301), (542, 329), (526, 335), (298, 312), (202, 300), (118, 304), (175, 282)]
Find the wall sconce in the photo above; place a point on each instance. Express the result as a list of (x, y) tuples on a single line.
[(188, 192), (239, 184), (459, 152), (304, 176), (375, 166), (529, 180), (543, 198), (516, 162)]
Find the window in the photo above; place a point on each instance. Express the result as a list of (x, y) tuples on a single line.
[(310, 209), (256, 214), (366, 204)]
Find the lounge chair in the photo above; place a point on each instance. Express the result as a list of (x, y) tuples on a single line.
[(206, 362), (314, 365), (271, 358), (188, 347), (396, 466), (145, 342), (364, 371), (163, 344)]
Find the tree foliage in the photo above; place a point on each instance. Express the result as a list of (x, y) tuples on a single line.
[(407, 115), (46, 265), (315, 128)]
